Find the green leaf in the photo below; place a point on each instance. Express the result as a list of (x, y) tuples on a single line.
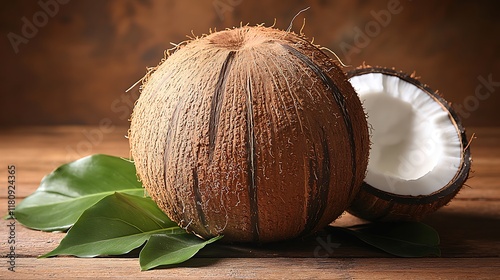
[(115, 225), (65, 193), (403, 239), (167, 249)]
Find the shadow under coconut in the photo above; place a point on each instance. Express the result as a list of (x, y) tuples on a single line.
[(467, 234), (324, 244), (191, 263), (462, 234)]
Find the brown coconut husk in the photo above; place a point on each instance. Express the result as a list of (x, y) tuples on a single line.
[(252, 133)]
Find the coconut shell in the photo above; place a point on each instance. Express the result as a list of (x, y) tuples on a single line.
[(377, 205), (252, 133)]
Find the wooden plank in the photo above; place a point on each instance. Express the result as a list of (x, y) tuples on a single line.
[(466, 228), (38, 150), (274, 268), (469, 226)]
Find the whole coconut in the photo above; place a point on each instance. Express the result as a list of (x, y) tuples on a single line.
[(252, 133)]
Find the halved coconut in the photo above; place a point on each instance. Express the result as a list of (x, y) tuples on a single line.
[(419, 157)]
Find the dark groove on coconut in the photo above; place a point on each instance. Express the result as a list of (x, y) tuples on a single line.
[(197, 202), (339, 99), (217, 101), (312, 184), (318, 200), (251, 164), (171, 130)]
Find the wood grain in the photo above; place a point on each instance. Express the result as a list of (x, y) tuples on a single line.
[(469, 226), (254, 268)]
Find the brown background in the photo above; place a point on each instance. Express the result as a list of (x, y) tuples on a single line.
[(76, 67)]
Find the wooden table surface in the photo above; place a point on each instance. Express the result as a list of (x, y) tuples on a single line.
[(469, 226)]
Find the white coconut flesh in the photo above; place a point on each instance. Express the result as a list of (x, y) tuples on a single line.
[(416, 149)]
